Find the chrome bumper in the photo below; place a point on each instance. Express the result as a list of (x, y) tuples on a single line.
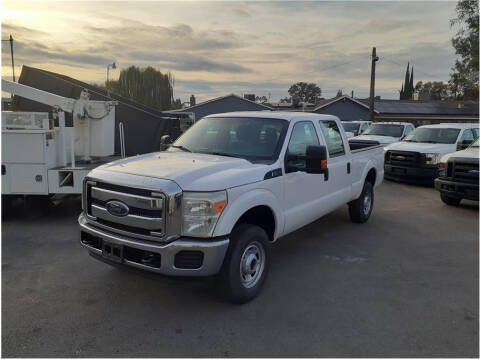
[(213, 251)]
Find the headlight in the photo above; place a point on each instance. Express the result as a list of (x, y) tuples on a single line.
[(432, 158), (201, 211)]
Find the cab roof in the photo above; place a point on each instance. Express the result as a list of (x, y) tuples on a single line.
[(280, 115)]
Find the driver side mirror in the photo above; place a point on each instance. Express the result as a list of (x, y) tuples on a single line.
[(461, 145), (165, 142), (316, 159)]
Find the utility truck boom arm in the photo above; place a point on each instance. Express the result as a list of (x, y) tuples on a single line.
[(64, 103)]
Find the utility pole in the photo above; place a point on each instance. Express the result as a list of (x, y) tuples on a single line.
[(372, 84), (11, 54)]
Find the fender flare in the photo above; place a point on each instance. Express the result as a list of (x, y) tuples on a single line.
[(245, 202)]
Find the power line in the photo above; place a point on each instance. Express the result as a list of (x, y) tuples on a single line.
[(402, 65)]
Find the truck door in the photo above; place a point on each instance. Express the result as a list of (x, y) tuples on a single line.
[(306, 195), (340, 168)]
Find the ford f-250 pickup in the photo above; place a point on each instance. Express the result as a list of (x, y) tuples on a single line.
[(230, 186)]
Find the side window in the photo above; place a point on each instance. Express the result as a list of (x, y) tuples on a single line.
[(333, 138), (408, 129), (467, 135), (303, 135), (364, 127), (475, 132)]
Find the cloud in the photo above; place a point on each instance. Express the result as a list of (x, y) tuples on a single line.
[(214, 48), (188, 62)]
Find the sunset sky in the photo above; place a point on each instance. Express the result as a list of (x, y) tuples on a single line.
[(216, 48)]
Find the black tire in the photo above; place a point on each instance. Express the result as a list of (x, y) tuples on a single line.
[(451, 201), (358, 209), (248, 244)]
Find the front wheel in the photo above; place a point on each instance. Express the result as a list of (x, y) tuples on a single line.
[(246, 263), (362, 207), (451, 201)]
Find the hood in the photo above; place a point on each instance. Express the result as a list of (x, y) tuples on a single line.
[(440, 148), (382, 139), (471, 152), (191, 171)]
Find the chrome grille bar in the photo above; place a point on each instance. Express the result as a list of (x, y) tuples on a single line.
[(129, 220), (129, 199)]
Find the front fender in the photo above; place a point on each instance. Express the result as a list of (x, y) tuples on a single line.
[(241, 203)]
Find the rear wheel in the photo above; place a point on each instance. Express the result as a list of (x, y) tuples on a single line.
[(246, 263), (451, 201), (362, 207)]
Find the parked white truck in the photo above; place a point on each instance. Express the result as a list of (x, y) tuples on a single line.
[(384, 133), (416, 157), (458, 175), (231, 185)]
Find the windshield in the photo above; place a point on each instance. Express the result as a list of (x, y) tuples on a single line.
[(351, 127), (433, 135), (383, 129), (254, 139)]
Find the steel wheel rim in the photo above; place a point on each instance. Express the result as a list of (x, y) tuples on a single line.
[(367, 203), (252, 264)]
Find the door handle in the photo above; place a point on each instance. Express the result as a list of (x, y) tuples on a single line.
[(348, 168)]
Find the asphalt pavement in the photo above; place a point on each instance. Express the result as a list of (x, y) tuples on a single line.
[(403, 284)]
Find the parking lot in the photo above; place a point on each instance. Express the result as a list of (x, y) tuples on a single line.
[(403, 284)]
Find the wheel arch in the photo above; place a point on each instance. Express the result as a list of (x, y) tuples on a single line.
[(259, 207)]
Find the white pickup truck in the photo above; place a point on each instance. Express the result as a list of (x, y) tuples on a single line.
[(231, 185), (384, 133), (416, 157)]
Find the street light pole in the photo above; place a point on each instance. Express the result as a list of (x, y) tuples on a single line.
[(11, 54)]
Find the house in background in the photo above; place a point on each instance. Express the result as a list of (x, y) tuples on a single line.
[(223, 104), (426, 112), (417, 112), (346, 108)]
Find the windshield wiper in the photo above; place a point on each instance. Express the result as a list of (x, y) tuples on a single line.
[(181, 148), (224, 154)]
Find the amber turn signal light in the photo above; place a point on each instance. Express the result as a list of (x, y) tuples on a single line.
[(219, 206)]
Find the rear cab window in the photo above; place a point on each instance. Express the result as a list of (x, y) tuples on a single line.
[(333, 138)]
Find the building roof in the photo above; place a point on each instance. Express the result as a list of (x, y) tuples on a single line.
[(344, 97), (221, 98), (411, 107)]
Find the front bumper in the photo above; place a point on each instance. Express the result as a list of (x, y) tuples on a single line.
[(208, 253), (411, 173), (457, 189)]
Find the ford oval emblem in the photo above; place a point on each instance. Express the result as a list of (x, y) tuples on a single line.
[(117, 208)]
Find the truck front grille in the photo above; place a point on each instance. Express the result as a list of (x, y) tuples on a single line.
[(463, 171), (403, 158), (146, 210)]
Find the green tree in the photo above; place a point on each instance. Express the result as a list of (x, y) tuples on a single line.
[(305, 92), (435, 91), (464, 78), (261, 99), (406, 92), (147, 86)]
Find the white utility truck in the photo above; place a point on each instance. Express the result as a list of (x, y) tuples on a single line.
[(385, 133), (416, 157), (41, 159), (230, 186)]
